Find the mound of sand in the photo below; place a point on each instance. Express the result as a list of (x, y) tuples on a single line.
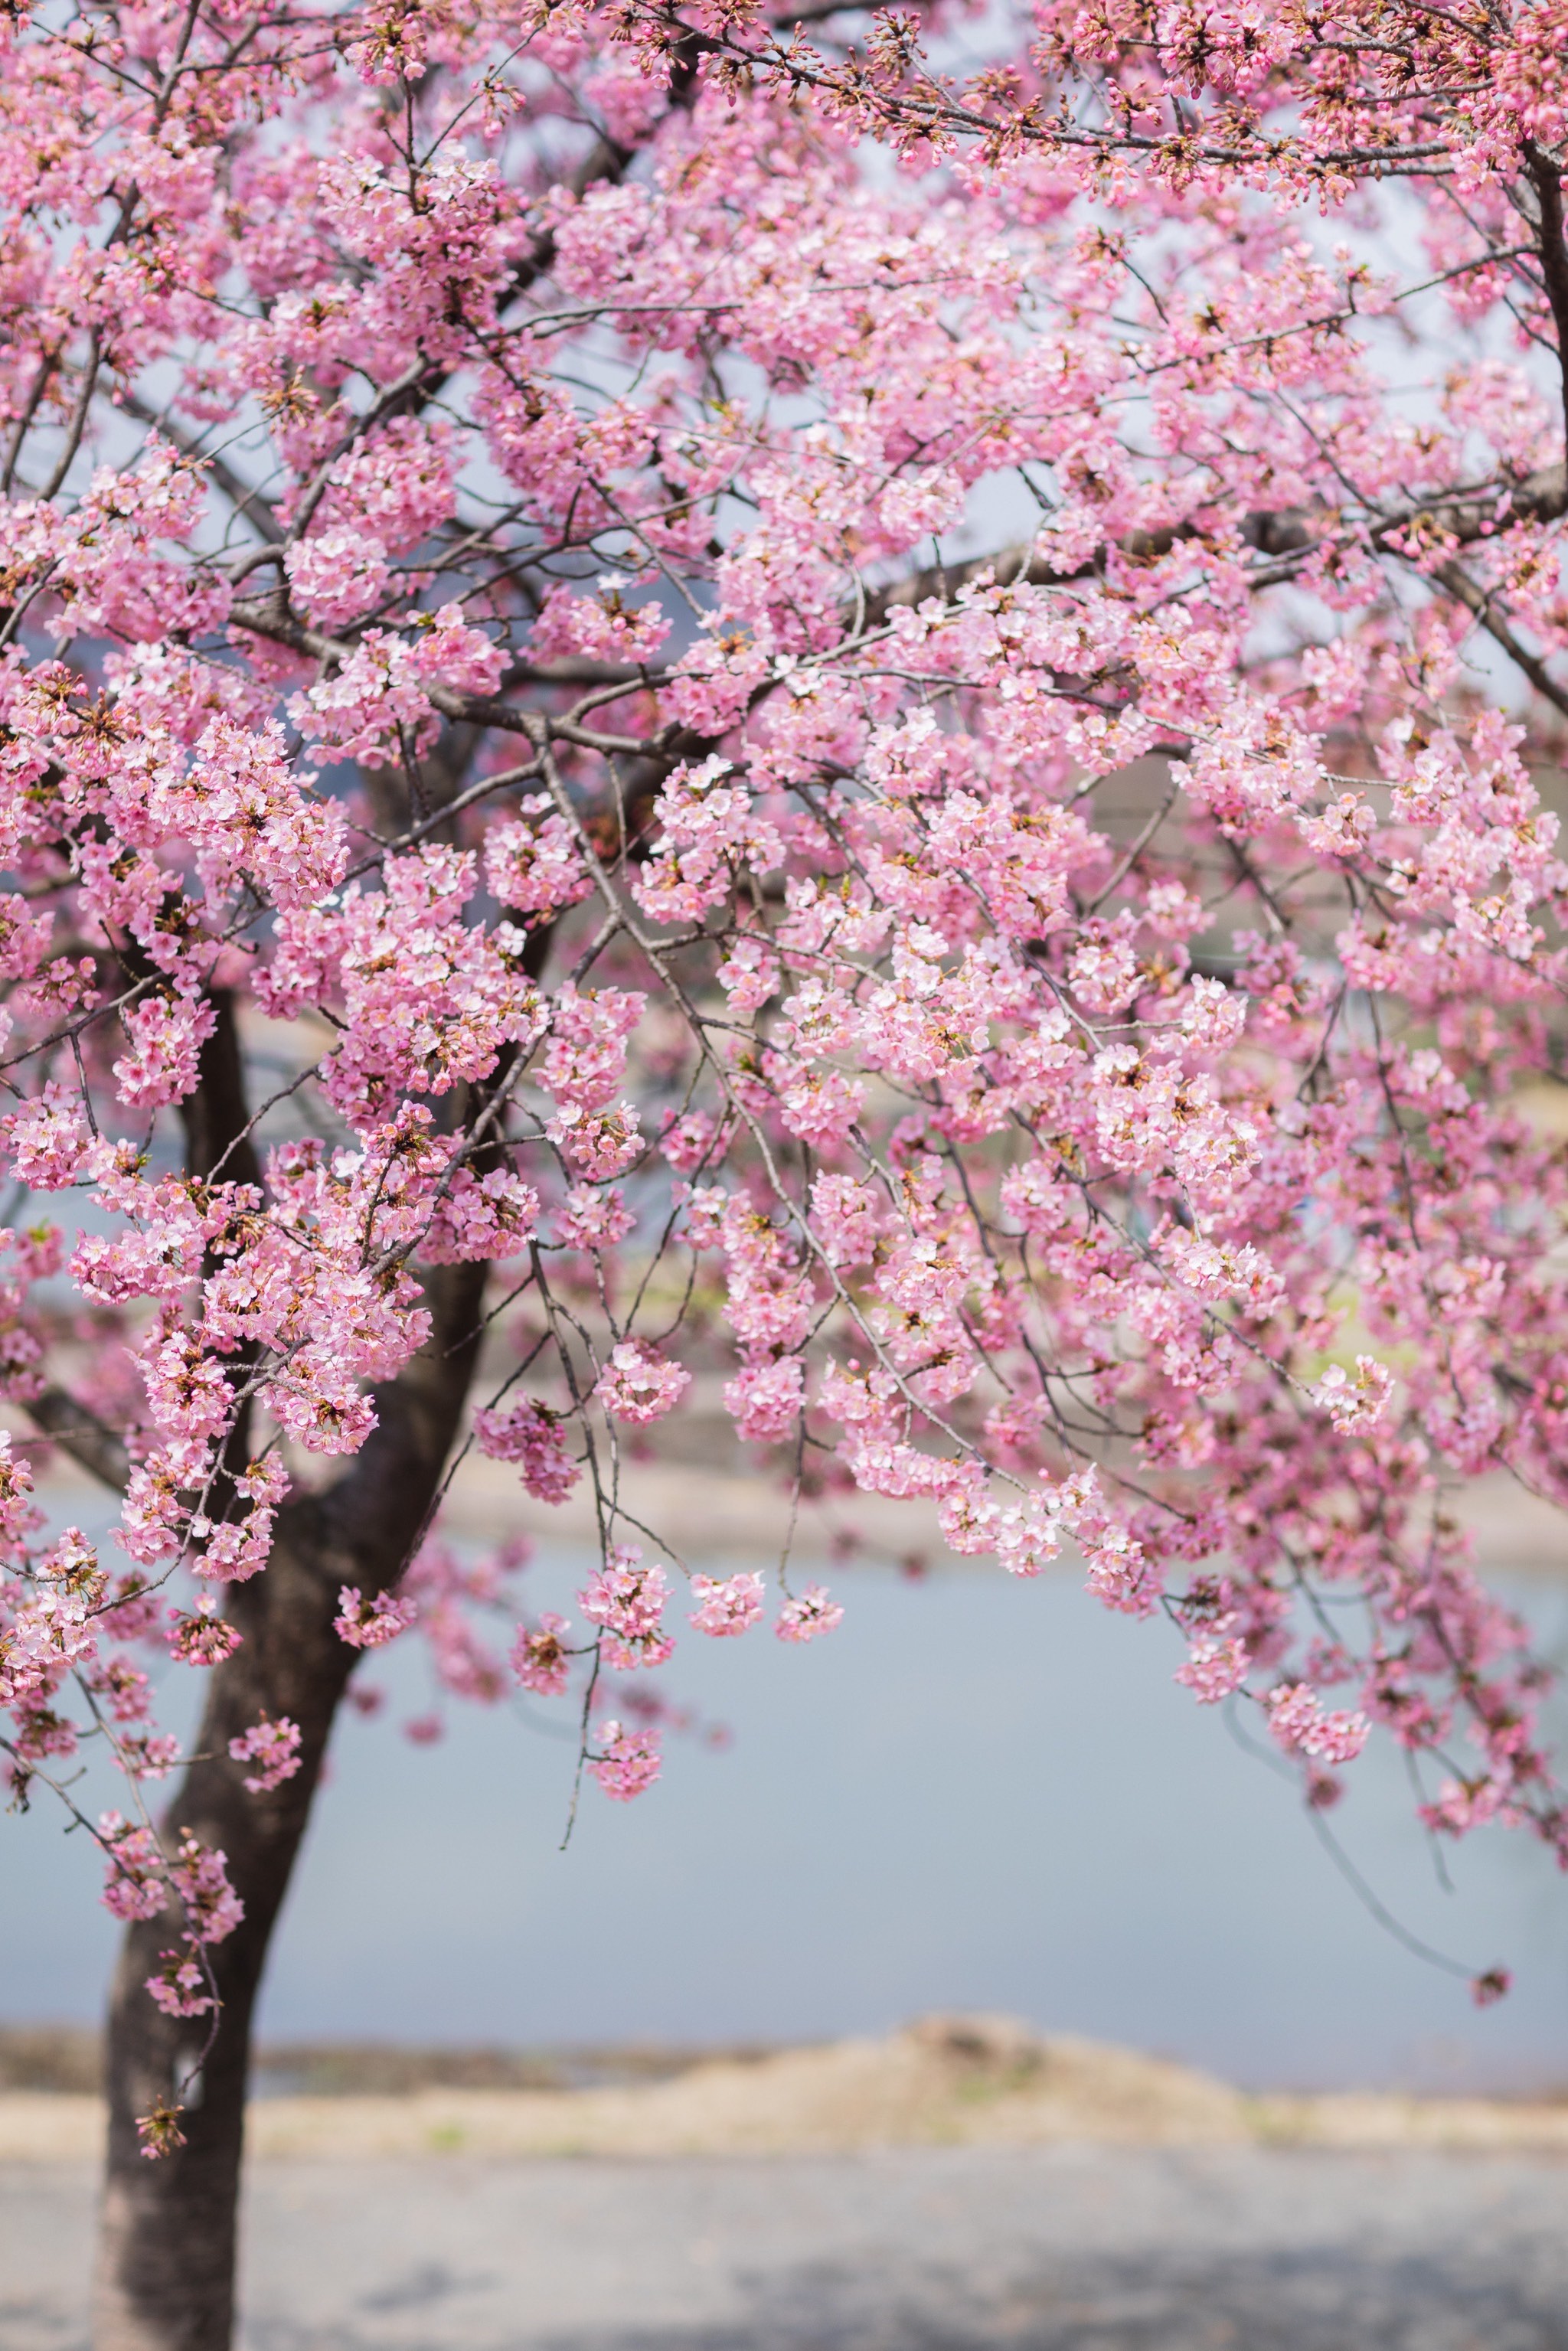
[(946, 2080)]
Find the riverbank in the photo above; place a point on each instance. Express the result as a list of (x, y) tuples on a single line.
[(981, 2082)]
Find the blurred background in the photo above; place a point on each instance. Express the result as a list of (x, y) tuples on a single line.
[(977, 1794)]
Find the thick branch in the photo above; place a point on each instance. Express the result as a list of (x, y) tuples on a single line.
[(1541, 498), (268, 616), (166, 2258), (216, 1115), (219, 1144), (1547, 181), (1475, 600), (1462, 517), (88, 1440)]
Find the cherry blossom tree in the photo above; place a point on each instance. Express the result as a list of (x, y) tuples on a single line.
[(855, 706)]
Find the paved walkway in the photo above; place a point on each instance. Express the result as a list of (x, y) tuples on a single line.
[(1059, 2249)]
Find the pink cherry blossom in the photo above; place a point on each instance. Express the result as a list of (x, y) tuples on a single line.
[(627, 1762), (1355, 1401), (200, 1637), (532, 1435), (539, 1656), (273, 1748), (1298, 1721), (338, 575), (627, 1599), (847, 741), (728, 1606), (370, 1623), (765, 1400), (136, 1881), (808, 1613), (1214, 1668), (180, 1985), (199, 1877), (638, 1384)]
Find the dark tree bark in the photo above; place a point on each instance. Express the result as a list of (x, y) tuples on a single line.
[(166, 2264), (165, 2277)]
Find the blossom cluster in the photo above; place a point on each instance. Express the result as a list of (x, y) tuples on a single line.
[(702, 788)]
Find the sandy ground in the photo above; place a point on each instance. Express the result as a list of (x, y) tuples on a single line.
[(978, 2081), (963, 2186), (948, 2249)]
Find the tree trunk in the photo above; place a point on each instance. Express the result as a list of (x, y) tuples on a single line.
[(166, 2276)]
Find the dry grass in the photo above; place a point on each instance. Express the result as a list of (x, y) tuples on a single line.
[(947, 2080)]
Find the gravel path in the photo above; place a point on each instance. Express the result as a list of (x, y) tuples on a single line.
[(1054, 2249)]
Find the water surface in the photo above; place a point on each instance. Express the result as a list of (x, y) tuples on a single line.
[(978, 1794)]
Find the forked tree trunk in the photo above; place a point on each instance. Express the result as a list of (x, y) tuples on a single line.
[(165, 2278)]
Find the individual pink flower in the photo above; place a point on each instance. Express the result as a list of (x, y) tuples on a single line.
[(808, 1614), (638, 1384), (199, 1877), (1300, 1725), (726, 1608), (627, 1599), (273, 1748), (136, 1883), (1358, 1401), (370, 1623), (765, 1400), (627, 1762), (180, 1985), (1215, 1666), (539, 1656), (531, 1435), (200, 1637)]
